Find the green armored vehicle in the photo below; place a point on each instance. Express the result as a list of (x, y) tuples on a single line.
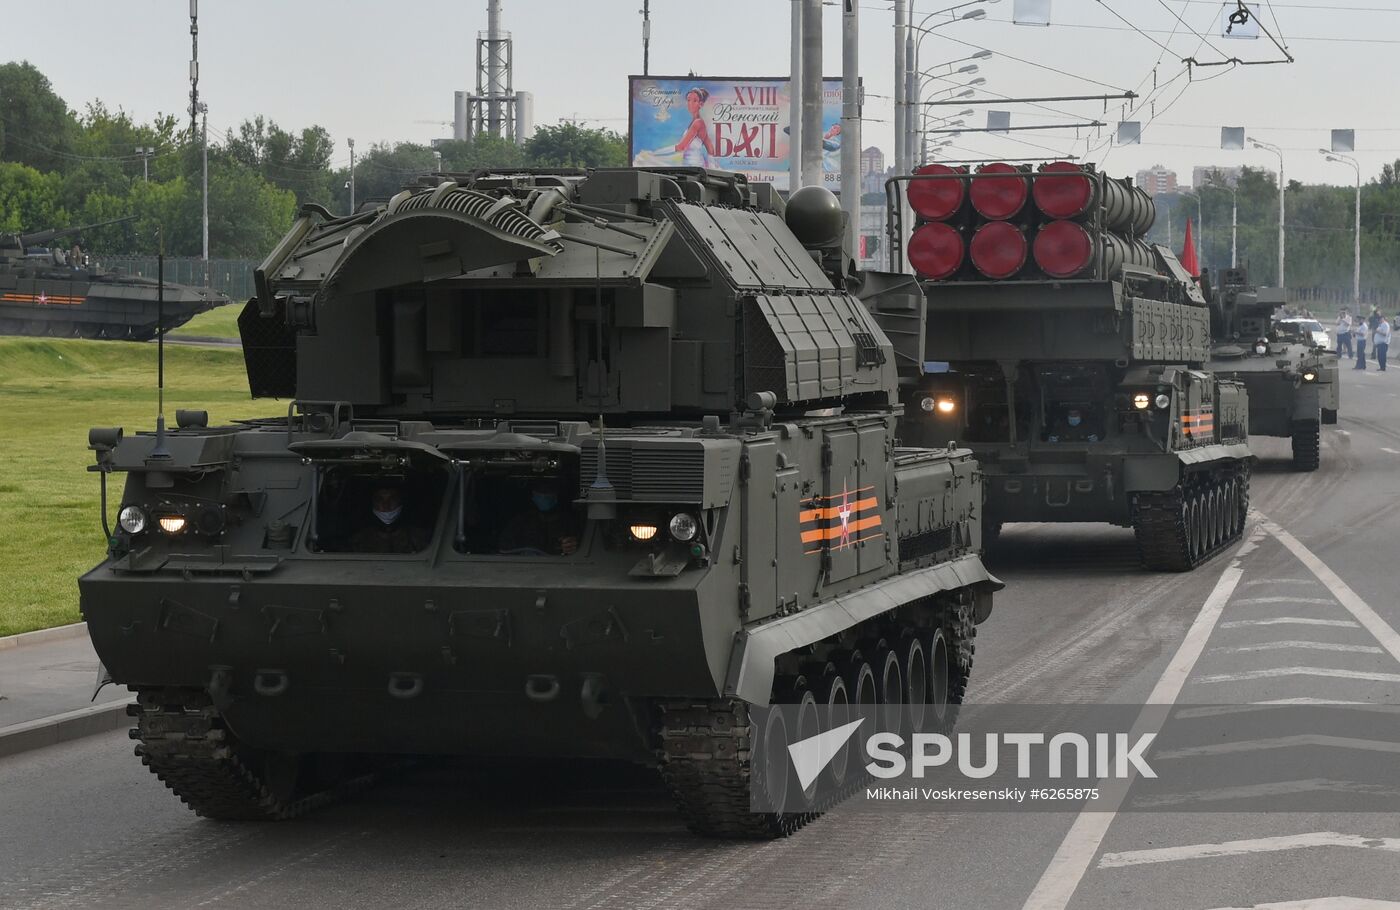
[(575, 464), (59, 292), (1292, 382), (1044, 334)]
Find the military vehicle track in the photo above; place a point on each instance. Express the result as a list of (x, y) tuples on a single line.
[(706, 748), (1181, 528), (183, 740), (1307, 445)]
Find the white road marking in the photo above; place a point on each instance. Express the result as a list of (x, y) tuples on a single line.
[(1343, 432), (1305, 645), (1277, 581), (1245, 601), (1324, 903), (1288, 621), (1253, 845), (1254, 706), (1076, 852), (1281, 742), (1384, 633), (1279, 672), (1270, 789), (1389, 451)]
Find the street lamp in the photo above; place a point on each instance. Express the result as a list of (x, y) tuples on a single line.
[(1356, 266), (905, 143), (145, 151), (1234, 217), (1200, 224), (1268, 147)]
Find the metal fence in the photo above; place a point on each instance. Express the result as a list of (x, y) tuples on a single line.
[(233, 277)]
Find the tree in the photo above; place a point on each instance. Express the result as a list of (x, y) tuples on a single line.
[(36, 126), (299, 163), (568, 145)]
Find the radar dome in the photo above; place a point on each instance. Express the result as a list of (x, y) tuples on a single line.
[(814, 215)]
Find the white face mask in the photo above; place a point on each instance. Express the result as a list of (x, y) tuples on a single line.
[(388, 518)]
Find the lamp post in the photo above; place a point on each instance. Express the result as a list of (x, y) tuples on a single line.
[(145, 151), (352, 175), (1200, 224), (1356, 266), (910, 74), (1282, 186)]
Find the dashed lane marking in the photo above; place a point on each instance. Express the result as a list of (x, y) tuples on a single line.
[(1253, 845), (1254, 706), (1245, 601), (1384, 633), (1279, 672), (1076, 852), (1288, 621), (1323, 903), (1281, 742), (1269, 790), (1389, 451), (1303, 645)]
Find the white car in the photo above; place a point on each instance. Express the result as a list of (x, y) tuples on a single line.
[(1301, 328)]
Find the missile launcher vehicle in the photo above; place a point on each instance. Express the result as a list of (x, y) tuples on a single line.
[(1040, 331), (1291, 381), (59, 293), (576, 464)]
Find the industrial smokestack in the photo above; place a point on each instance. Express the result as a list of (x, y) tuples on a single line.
[(812, 93), (494, 89)]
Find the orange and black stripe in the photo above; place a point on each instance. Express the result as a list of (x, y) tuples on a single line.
[(56, 299), (1200, 422), (841, 520)]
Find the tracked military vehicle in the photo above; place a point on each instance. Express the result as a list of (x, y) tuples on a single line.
[(1040, 331), (1292, 382), (49, 290), (575, 464)]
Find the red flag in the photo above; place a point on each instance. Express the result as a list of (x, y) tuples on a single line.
[(1188, 255)]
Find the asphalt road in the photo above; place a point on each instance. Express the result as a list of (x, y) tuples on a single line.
[(1305, 609)]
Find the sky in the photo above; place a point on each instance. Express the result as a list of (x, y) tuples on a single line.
[(380, 72)]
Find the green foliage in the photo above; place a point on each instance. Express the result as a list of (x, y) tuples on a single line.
[(299, 163), (569, 145), (36, 127)]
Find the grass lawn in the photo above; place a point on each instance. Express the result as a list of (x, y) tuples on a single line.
[(51, 392), (220, 322)]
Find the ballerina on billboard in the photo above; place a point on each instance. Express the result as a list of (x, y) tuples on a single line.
[(699, 129)]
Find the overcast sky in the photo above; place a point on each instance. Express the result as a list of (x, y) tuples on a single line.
[(377, 70)]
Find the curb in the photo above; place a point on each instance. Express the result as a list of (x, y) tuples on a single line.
[(61, 728), (57, 633)]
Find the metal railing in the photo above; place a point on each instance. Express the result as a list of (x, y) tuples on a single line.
[(233, 277)]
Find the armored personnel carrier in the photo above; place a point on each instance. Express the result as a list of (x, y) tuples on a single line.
[(1069, 355), (48, 290), (576, 464), (1292, 382)]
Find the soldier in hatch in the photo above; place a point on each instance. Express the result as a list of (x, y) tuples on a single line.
[(545, 528), (1076, 426), (389, 530)]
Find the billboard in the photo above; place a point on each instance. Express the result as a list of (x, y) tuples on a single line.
[(727, 123)]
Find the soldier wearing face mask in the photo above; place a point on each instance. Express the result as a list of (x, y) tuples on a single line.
[(388, 530), (547, 527), (1074, 426)]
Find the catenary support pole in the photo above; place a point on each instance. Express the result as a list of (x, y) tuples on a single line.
[(812, 93), (850, 121), (795, 101)]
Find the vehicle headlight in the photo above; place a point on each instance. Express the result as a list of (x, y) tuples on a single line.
[(947, 405), (642, 532), (927, 403), (1309, 376), (683, 526), (172, 524), (1162, 400), (132, 519), (1142, 401)]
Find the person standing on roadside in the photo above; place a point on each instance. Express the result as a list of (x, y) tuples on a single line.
[(1358, 338), (1380, 342), (1344, 334)]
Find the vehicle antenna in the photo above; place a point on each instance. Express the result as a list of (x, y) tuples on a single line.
[(601, 488), (160, 451)]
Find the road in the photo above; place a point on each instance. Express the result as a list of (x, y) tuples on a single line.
[(1303, 609)]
